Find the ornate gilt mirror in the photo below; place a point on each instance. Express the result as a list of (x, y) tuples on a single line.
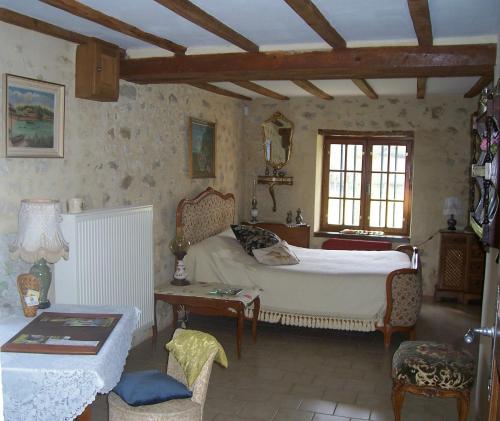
[(277, 132)]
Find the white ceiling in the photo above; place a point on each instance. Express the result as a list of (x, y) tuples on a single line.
[(273, 25)]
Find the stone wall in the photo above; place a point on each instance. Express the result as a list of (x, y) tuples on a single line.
[(131, 152), (441, 156)]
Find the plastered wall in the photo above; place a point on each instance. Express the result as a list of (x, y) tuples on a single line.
[(441, 156), (134, 151)]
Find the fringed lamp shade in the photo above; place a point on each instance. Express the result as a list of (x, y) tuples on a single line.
[(39, 235)]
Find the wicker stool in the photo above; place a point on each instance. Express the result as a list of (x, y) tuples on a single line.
[(432, 369)]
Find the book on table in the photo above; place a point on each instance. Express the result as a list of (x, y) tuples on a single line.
[(63, 333)]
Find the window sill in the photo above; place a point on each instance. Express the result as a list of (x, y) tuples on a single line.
[(402, 239)]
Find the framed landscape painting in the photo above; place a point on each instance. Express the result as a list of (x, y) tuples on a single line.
[(201, 148), (34, 118)]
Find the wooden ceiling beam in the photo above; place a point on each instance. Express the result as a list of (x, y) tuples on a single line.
[(260, 89), (307, 10), (365, 87), (220, 91), (481, 83), (198, 16), (33, 24), (421, 87), (83, 11), (312, 89), (421, 17), (347, 63)]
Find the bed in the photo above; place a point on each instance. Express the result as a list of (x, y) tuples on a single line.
[(347, 290)]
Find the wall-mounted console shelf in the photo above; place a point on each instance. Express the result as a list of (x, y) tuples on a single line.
[(272, 181)]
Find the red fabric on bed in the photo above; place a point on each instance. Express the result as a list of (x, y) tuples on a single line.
[(345, 244)]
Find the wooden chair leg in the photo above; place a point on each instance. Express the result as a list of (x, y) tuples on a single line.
[(398, 397), (412, 333), (463, 406), (387, 336)]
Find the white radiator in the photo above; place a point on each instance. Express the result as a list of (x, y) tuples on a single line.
[(110, 259)]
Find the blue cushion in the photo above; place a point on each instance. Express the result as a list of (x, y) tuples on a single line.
[(149, 387)]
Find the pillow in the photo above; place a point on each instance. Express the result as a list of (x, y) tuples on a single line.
[(252, 238), (279, 254), (149, 387)]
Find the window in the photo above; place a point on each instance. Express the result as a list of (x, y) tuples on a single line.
[(366, 182)]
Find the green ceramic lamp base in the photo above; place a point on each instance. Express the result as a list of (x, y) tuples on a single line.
[(42, 271)]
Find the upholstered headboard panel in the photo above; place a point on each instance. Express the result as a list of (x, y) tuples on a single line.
[(207, 214)]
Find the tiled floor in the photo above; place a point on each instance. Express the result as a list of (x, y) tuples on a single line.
[(312, 375)]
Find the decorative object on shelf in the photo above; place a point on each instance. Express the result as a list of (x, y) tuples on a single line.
[(201, 148), (281, 174), (34, 116), (179, 247), (254, 212), (29, 292), (39, 240), (289, 217), (75, 205), (452, 207), (272, 181), (299, 219), (483, 200)]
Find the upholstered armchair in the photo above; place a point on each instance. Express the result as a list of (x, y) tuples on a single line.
[(177, 409)]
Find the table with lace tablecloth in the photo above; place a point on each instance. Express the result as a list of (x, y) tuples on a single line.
[(56, 386)]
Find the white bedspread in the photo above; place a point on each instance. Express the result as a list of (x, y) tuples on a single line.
[(341, 289)]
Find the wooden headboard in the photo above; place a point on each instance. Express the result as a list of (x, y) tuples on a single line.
[(207, 214)]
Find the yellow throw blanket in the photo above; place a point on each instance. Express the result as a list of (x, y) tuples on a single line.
[(192, 348)]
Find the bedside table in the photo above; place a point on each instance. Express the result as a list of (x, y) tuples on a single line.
[(295, 235)]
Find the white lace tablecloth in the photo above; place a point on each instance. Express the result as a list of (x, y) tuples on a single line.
[(58, 387)]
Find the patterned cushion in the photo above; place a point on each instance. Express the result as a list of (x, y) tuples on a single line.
[(432, 364), (279, 254), (254, 237)]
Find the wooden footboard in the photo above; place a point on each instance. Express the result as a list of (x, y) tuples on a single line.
[(404, 297)]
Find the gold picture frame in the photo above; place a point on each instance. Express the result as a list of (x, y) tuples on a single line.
[(34, 118), (202, 138)]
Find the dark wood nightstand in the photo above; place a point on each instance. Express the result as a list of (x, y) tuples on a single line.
[(461, 266)]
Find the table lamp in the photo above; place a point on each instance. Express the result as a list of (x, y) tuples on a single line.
[(39, 240), (179, 247), (451, 208)]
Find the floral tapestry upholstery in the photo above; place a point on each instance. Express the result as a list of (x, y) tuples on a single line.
[(251, 237), (432, 364), (211, 215), (406, 299)]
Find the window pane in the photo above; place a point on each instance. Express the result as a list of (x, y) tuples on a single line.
[(379, 157), (379, 186), (335, 211), (354, 157), (353, 185), (395, 215), (336, 184), (397, 186), (377, 213), (337, 157), (351, 213), (398, 158)]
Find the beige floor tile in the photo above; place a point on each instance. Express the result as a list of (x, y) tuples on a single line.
[(259, 410), (340, 395), (352, 411), (307, 391), (318, 405), (323, 417), (293, 415), (286, 400), (382, 415)]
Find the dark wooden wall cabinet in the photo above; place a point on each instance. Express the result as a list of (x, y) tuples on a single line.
[(461, 266), (296, 235), (97, 72)]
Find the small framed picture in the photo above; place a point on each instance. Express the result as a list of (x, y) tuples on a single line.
[(201, 148), (34, 118)]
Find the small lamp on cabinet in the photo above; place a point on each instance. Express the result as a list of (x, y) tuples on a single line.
[(452, 207)]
